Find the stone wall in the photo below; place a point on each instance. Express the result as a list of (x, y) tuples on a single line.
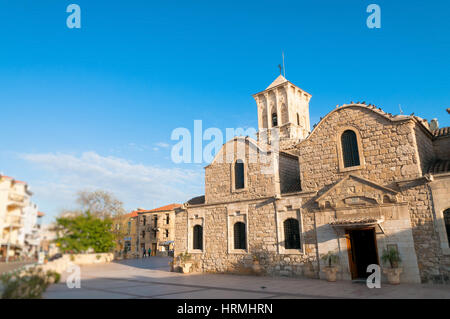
[(424, 147), (426, 241), (387, 147), (440, 187), (441, 147), (263, 240), (60, 265), (289, 173), (259, 174), (163, 228)]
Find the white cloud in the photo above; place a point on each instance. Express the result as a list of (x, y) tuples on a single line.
[(137, 185), (163, 145)]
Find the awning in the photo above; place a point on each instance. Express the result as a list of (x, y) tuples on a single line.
[(356, 223), (166, 243)]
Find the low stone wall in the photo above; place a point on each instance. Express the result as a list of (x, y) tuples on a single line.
[(87, 259), (60, 265)]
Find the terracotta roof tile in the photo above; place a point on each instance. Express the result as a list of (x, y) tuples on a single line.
[(164, 208)]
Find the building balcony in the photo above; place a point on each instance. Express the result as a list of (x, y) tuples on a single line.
[(16, 198), (13, 221)]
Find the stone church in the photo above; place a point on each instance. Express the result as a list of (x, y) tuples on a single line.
[(361, 180)]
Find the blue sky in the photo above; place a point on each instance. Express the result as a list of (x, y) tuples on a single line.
[(94, 107)]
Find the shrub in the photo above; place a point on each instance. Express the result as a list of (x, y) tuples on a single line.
[(28, 283), (330, 259), (184, 257), (392, 256)]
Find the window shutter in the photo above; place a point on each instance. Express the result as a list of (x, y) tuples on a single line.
[(350, 149)]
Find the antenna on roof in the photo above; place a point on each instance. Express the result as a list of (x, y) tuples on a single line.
[(284, 69), (400, 107)]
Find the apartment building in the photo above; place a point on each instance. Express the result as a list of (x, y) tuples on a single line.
[(156, 230), (19, 226)]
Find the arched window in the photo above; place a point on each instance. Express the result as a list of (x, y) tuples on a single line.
[(240, 241), (350, 149), (239, 174), (447, 223), (291, 234), (198, 237), (274, 120)]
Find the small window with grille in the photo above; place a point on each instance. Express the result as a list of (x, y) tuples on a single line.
[(291, 234), (350, 149), (240, 241), (239, 182), (274, 120), (198, 237)]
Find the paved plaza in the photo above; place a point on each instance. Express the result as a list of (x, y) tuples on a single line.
[(151, 278)]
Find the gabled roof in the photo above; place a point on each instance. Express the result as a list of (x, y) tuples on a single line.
[(372, 108), (360, 179), (134, 213), (279, 80)]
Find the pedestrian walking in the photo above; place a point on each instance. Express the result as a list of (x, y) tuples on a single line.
[(149, 252), (143, 252)]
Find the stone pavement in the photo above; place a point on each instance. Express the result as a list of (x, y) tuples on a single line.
[(150, 278)]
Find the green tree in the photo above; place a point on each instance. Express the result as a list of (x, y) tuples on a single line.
[(81, 232)]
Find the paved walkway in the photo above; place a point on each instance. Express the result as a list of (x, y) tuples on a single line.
[(150, 278)]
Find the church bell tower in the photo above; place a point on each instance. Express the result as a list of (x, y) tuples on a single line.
[(283, 107)]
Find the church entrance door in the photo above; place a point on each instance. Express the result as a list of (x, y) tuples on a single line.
[(362, 251)]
